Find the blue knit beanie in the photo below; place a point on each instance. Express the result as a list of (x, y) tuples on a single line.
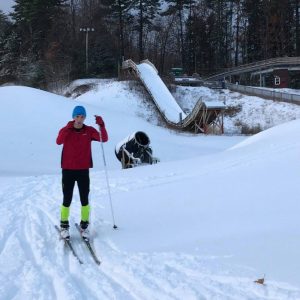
[(78, 110)]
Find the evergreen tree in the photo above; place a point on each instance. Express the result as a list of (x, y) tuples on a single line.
[(58, 50), (178, 7), (255, 32), (201, 38), (147, 10), (34, 21), (279, 30), (191, 41), (219, 18), (8, 49), (103, 58), (103, 46), (296, 6), (164, 40), (238, 14), (121, 12)]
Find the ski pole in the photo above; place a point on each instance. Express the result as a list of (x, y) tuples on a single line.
[(107, 181)]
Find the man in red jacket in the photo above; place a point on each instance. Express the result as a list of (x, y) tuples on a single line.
[(76, 160)]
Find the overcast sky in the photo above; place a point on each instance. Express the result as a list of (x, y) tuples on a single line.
[(5, 5)]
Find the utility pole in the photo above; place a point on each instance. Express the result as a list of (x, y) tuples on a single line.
[(86, 30)]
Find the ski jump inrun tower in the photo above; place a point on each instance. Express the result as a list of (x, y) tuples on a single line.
[(204, 118)]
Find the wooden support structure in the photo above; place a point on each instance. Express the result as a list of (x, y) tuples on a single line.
[(206, 117), (210, 120)]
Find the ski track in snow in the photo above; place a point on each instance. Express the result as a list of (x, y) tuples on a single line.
[(42, 268)]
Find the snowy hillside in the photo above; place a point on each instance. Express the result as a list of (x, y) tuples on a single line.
[(217, 212), (247, 111)]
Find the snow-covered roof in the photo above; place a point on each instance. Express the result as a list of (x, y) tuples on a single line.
[(214, 104), (184, 79)]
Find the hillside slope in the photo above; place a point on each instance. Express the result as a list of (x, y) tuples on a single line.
[(214, 215)]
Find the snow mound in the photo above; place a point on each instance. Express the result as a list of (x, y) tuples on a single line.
[(281, 135), (202, 224)]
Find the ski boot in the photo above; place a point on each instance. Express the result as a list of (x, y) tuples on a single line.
[(84, 231), (64, 230)]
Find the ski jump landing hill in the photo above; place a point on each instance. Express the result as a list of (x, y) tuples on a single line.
[(204, 117)]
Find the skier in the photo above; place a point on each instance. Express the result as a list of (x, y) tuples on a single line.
[(76, 160)]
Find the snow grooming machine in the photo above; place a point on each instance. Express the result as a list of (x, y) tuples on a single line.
[(135, 150)]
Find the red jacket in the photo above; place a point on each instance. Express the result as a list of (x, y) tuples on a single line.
[(77, 152)]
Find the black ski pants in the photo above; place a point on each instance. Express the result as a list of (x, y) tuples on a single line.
[(69, 177)]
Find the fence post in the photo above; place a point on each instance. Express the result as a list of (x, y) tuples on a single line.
[(180, 118)]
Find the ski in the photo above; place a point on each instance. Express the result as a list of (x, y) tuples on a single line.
[(69, 244), (88, 244)]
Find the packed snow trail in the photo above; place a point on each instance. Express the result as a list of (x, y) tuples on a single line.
[(203, 224), (37, 267)]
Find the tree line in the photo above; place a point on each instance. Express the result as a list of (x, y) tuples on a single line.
[(47, 41)]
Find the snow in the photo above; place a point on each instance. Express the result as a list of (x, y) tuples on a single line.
[(217, 212), (215, 104), (282, 90), (160, 92), (254, 111)]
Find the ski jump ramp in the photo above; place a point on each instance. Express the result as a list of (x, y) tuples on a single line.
[(202, 116)]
